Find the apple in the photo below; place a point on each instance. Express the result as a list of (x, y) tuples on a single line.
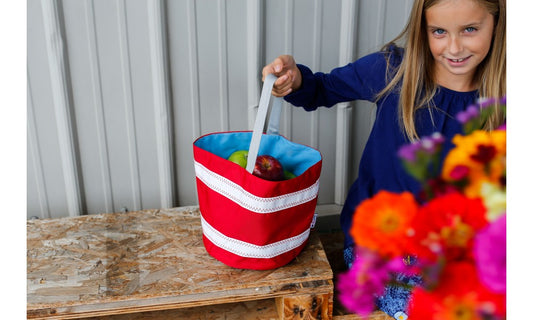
[(268, 168), (288, 175), (240, 157)]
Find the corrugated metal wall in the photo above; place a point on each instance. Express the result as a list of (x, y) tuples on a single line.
[(118, 91)]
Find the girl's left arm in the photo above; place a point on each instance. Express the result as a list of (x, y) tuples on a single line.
[(359, 80)]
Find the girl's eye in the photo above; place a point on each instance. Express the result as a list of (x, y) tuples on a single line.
[(439, 32), (470, 29)]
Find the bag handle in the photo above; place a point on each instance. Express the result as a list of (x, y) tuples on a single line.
[(260, 119)]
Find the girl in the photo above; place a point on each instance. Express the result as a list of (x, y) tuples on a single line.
[(453, 54)]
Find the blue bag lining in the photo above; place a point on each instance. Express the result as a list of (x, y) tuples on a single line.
[(294, 157)]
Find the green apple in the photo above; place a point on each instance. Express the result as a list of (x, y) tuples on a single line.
[(240, 157), (288, 175)]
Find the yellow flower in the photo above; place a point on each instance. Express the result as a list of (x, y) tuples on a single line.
[(494, 199), (481, 156)]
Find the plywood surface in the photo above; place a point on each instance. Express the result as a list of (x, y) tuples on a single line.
[(147, 260)]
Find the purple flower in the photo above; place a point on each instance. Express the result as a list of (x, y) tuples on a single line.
[(429, 145), (438, 138), (432, 143), (486, 102), (366, 280), (490, 255), (408, 151), (471, 112)]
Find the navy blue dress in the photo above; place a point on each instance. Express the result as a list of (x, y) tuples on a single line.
[(380, 168)]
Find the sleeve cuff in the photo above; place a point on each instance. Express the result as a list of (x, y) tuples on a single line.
[(303, 96)]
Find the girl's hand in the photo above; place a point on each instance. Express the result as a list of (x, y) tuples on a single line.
[(289, 76)]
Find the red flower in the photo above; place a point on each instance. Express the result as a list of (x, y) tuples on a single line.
[(436, 187), (460, 296), (446, 227), (484, 154)]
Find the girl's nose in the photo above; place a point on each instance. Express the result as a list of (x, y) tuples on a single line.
[(455, 45)]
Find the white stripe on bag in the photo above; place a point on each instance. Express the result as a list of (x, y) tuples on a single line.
[(251, 202), (248, 250)]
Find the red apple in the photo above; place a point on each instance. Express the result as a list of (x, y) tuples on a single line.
[(268, 168)]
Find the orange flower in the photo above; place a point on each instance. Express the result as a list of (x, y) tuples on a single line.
[(480, 157), (382, 223)]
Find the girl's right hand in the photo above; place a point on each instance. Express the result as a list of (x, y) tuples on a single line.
[(289, 76)]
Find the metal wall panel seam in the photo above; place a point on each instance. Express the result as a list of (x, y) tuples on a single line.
[(342, 151), (254, 23), (193, 63), (348, 32), (36, 159), (317, 44), (163, 116), (380, 27), (344, 110), (101, 134), (128, 106), (223, 65), (289, 48), (61, 97)]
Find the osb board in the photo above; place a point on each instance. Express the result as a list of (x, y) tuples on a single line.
[(147, 260)]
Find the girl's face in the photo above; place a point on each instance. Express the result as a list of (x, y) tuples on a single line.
[(459, 34)]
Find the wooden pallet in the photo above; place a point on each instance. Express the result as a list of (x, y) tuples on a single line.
[(151, 264), (248, 310)]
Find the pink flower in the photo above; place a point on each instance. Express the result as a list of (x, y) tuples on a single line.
[(366, 280), (459, 172), (490, 255)]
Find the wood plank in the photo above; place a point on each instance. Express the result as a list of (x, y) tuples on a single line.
[(377, 315), (249, 310), (311, 306), (148, 260)]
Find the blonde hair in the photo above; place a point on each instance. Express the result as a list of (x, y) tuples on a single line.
[(415, 73)]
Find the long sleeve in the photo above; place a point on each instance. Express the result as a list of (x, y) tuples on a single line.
[(359, 80)]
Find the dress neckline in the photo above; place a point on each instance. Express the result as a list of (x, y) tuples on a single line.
[(447, 90)]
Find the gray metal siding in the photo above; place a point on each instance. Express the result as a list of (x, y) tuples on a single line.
[(118, 91)]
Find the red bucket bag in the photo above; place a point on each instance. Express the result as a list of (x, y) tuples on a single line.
[(249, 222)]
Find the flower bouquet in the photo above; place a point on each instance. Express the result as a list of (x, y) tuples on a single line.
[(452, 236)]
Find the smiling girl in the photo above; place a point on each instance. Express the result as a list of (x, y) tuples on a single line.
[(453, 53)]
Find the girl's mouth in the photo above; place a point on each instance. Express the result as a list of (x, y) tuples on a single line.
[(458, 62)]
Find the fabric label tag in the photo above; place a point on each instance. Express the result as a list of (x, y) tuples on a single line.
[(314, 220)]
